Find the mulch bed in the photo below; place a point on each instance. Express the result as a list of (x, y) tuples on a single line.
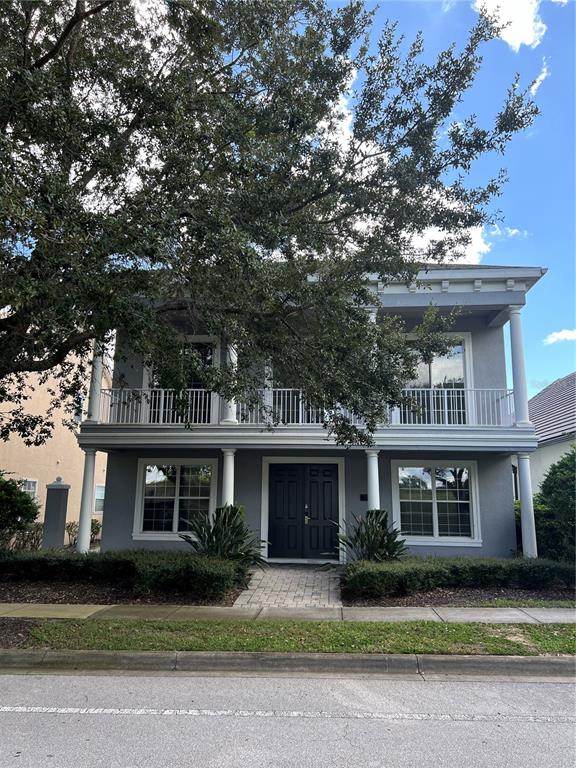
[(463, 597), (95, 593), (14, 632)]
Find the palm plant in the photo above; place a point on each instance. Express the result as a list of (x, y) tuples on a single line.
[(225, 534), (372, 538)]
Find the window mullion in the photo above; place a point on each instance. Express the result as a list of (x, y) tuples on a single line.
[(434, 504), (176, 500)]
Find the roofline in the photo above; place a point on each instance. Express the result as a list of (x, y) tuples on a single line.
[(460, 273)]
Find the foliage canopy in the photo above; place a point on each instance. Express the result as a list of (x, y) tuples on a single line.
[(239, 164)]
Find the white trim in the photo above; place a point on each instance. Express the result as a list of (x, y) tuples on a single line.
[(441, 541), (403, 437), (137, 533), (265, 503)]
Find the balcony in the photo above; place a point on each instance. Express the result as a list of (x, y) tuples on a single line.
[(445, 408)]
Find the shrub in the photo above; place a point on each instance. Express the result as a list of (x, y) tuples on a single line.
[(73, 527), (30, 538), (18, 510), (407, 577), (225, 535), (202, 576), (141, 571), (372, 538)]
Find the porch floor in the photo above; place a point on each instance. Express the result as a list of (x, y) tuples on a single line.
[(292, 586)]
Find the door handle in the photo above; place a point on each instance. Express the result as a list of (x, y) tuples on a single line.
[(306, 519)]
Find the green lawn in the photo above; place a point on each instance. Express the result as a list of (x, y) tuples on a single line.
[(305, 636)]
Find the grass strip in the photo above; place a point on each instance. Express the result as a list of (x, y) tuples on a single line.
[(305, 637)]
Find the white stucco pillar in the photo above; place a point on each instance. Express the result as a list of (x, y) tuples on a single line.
[(529, 545), (87, 501), (93, 411), (228, 476), (373, 479), (518, 367), (229, 414)]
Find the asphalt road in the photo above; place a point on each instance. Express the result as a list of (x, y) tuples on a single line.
[(159, 721)]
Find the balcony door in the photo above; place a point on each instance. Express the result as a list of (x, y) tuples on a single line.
[(169, 405), (303, 511), (438, 391)]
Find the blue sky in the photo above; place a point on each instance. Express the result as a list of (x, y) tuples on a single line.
[(538, 202)]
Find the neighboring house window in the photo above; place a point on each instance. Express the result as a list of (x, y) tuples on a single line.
[(435, 502), (31, 488), (99, 498), (173, 494)]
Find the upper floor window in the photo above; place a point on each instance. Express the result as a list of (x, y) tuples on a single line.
[(444, 372)]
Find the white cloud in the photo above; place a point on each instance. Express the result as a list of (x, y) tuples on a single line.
[(564, 335), (524, 25), (544, 73), (498, 231), (472, 253)]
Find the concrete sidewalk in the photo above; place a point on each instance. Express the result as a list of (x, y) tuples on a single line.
[(440, 614)]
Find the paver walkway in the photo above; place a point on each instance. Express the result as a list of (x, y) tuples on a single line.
[(449, 615), (292, 586)]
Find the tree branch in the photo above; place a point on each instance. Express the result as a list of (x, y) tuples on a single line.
[(67, 31)]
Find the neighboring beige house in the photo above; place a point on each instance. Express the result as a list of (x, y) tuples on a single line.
[(60, 456), (553, 413)]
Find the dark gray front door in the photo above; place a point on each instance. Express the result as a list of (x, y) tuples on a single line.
[(303, 511)]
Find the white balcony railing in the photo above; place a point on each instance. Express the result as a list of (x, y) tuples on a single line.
[(421, 407), (157, 406)]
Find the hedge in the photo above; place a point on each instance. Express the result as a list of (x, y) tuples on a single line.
[(406, 577), (140, 571)]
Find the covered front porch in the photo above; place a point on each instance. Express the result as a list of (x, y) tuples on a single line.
[(296, 500)]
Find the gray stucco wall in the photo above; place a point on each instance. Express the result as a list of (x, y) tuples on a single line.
[(494, 480)]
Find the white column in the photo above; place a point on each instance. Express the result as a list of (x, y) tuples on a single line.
[(93, 413), (373, 479), (518, 368), (228, 476), (87, 501), (529, 546), (229, 415)]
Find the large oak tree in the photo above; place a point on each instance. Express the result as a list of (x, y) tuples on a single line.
[(244, 163)]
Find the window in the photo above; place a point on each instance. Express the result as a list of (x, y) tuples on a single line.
[(444, 372), (173, 494), (438, 395), (435, 501), (31, 488), (99, 498)]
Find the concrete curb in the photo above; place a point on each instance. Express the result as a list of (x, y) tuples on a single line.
[(384, 665)]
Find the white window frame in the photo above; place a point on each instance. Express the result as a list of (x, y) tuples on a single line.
[(440, 541), (137, 533), (31, 480), (466, 337), (99, 485)]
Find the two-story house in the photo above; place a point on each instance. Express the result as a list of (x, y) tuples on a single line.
[(441, 466)]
